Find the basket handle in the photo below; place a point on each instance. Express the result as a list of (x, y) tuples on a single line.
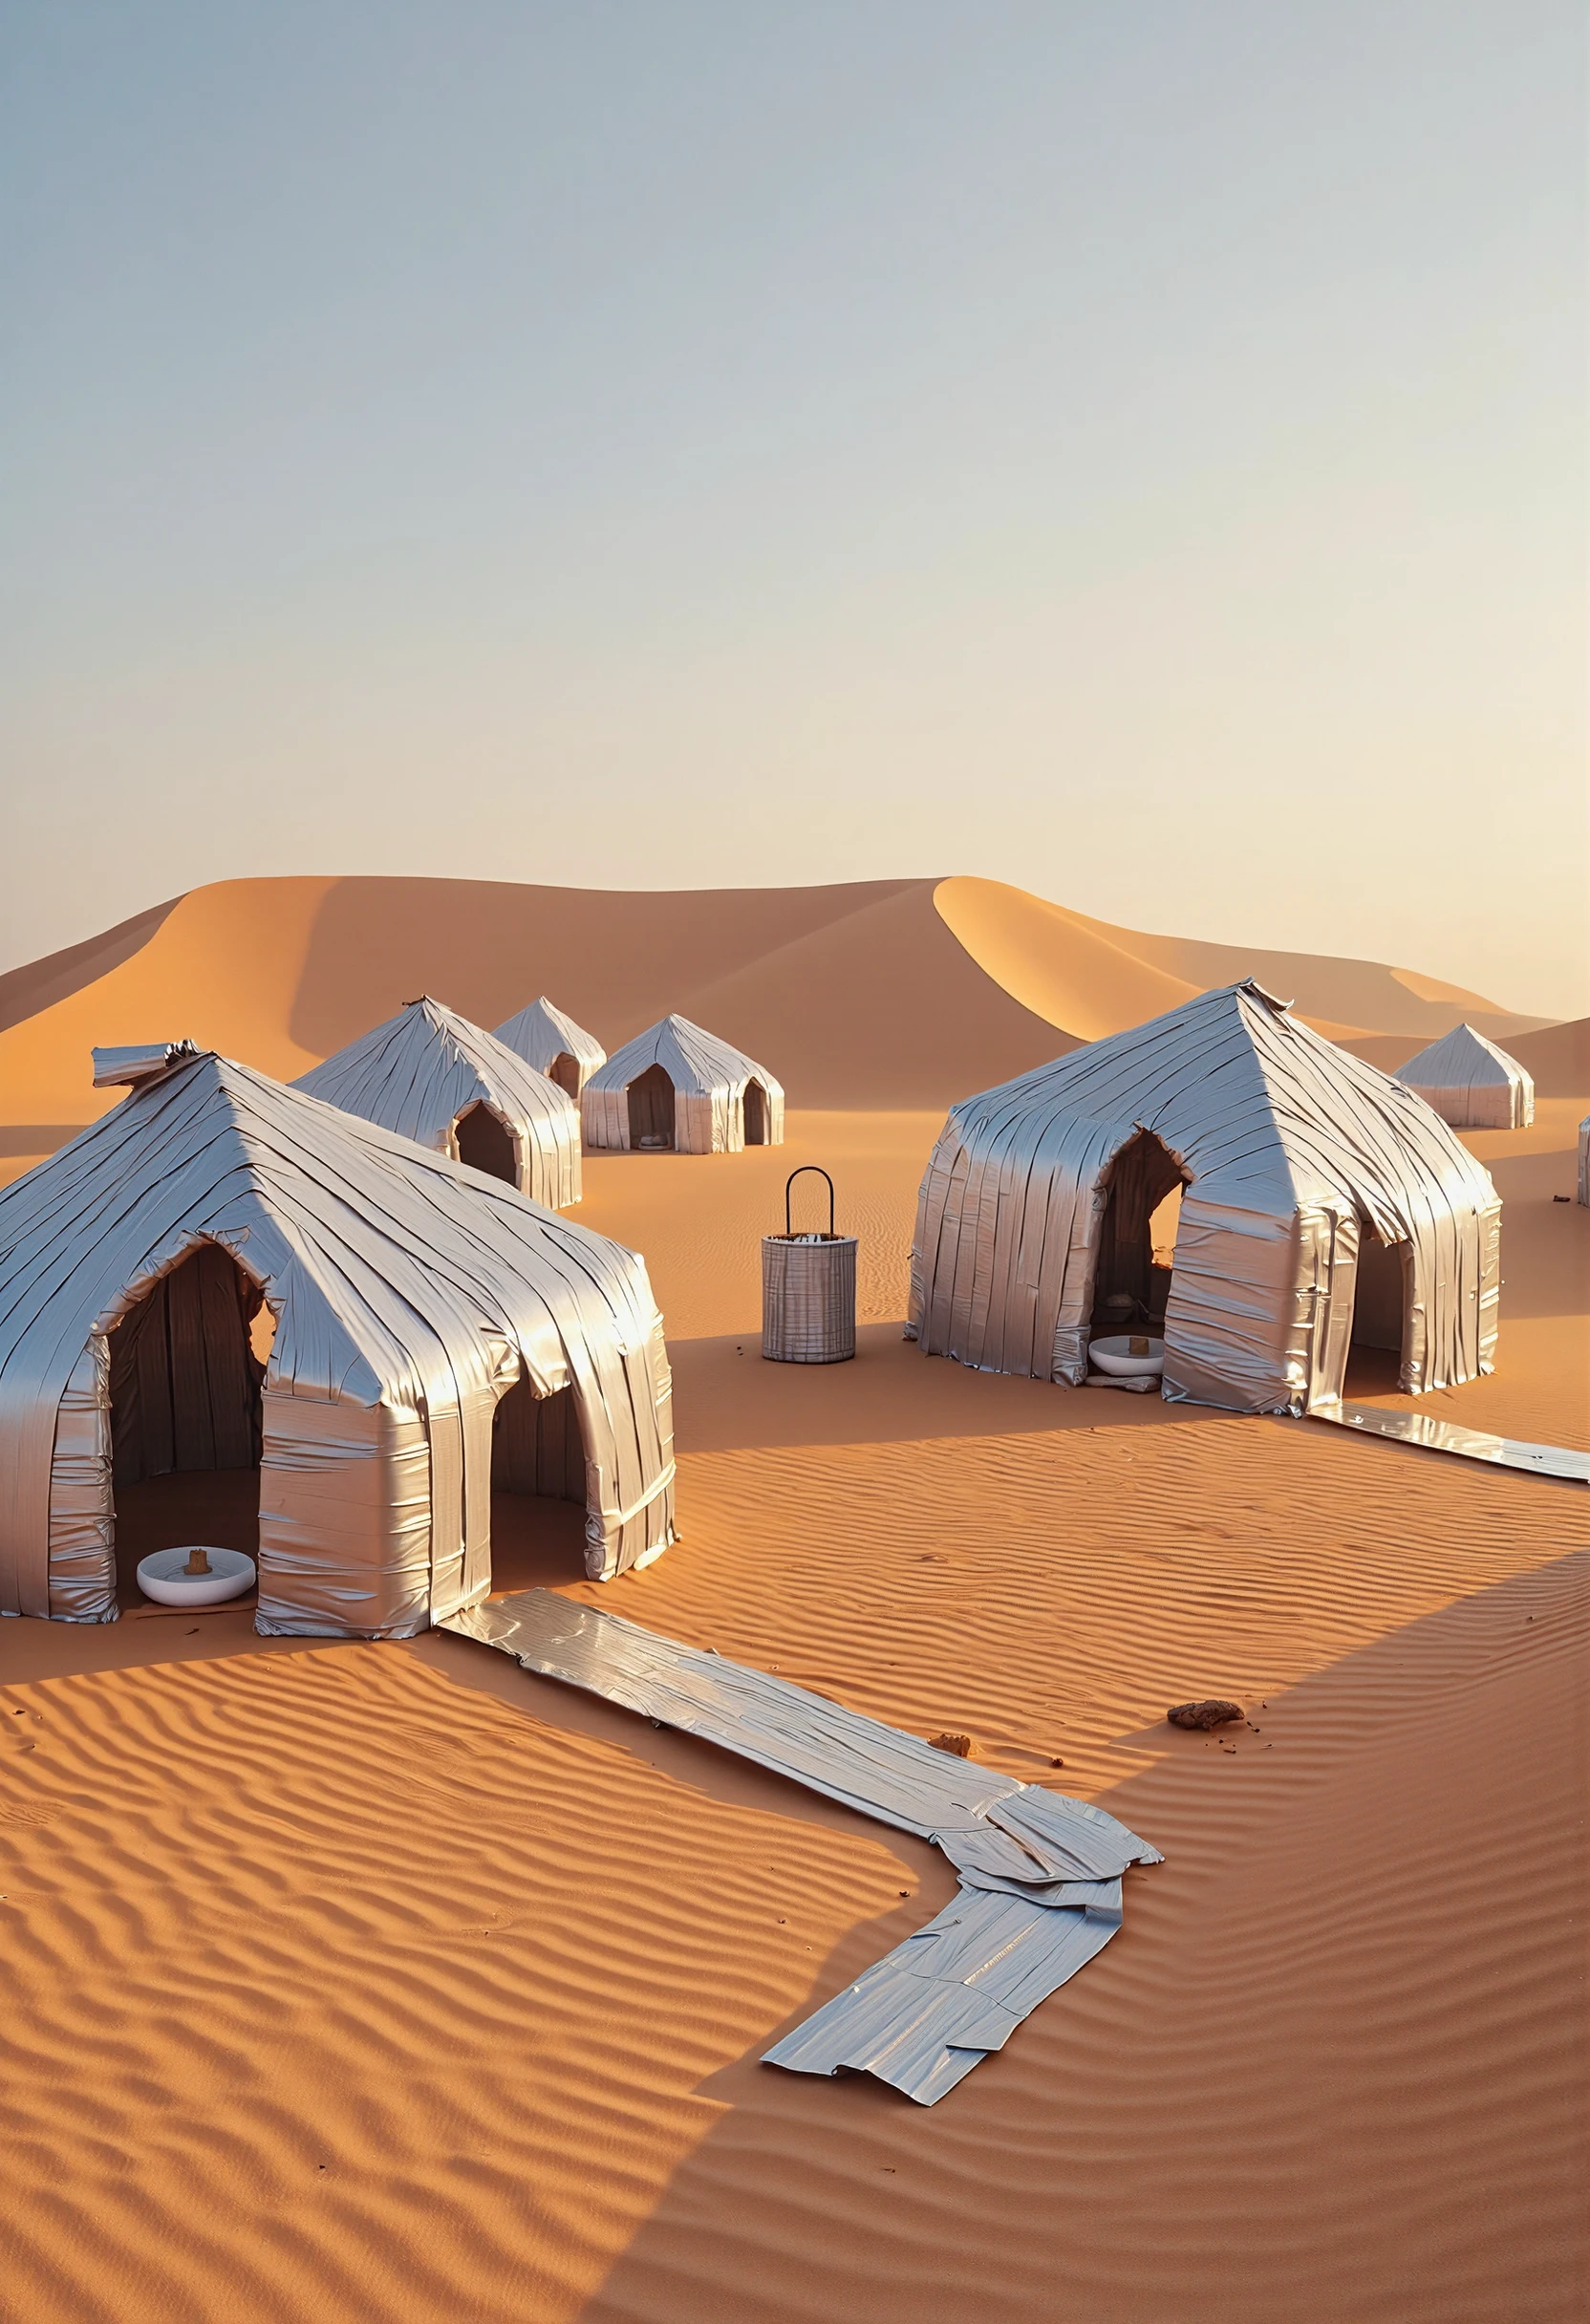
[(789, 1182)]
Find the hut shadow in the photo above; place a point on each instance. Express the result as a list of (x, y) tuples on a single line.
[(819, 2124), (728, 1398)]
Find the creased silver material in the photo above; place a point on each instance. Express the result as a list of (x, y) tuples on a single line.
[(140, 1061), (922, 2017), (1470, 1444), (716, 1089), (409, 1294), (1293, 1155), (1470, 1083), (1041, 1873), (555, 1045), (425, 1072)]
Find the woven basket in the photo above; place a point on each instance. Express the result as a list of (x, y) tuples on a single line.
[(809, 1291)]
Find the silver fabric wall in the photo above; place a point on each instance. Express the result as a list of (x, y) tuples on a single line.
[(423, 1068), (1470, 1083), (409, 1295), (709, 1079), (541, 1034), (1290, 1151)]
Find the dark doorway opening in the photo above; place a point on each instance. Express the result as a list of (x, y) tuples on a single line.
[(1380, 1317), (538, 1490), (565, 1070), (756, 1114), (651, 1096), (186, 1415), (486, 1144), (1131, 1277)]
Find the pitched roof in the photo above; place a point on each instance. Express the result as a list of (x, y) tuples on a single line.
[(541, 1034), (1261, 1111), (420, 1071), (1462, 1060), (692, 1058)]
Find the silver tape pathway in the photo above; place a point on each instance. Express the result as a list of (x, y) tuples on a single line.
[(1041, 1875)]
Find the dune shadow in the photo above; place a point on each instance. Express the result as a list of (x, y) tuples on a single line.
[(851, 2134)]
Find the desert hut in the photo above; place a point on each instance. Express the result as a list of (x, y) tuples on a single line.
[(1470, 1083), (1319, 1203), (555, 1045), (433, 1330), (676, 1087), (433, 1077)]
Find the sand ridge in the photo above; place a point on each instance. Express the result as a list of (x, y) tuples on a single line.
[(387, 1985), (390, 1984), (874, 994)]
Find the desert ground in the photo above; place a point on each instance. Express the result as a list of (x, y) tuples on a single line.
[(389, 1983)]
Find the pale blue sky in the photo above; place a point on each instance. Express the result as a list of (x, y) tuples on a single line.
[(1136, 451)]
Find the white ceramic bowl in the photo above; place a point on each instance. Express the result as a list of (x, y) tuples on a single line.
[(161, 1577), (1114, 1355)]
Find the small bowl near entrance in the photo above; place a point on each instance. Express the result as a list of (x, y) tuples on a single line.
[(177, 1576), (1114, 1355)]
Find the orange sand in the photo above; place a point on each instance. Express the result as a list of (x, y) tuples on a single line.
[(387, 1983)]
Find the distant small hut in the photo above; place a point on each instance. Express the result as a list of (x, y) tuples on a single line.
[(555, 1045), (675, 1088), (432, 1076), (1470, 1083)]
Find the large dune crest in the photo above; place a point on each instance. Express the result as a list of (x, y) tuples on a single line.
[(891, 993)]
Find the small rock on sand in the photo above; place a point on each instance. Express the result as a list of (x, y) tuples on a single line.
[(959, 1745), (1214, 1712)]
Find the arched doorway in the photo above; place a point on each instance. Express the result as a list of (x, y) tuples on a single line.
[(185, 1414), (486, 1144), (1380, 1296), (651, 1096), (565, 1070), (538, 1489), (756, 1114), (1136, 1253)]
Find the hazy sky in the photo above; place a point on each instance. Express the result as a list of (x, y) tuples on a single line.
[(1138, 451)]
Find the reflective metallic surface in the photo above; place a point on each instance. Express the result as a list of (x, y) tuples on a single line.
[(1040, 1874), (1470, 1083), (541, 1034), (710, 1079), (142, 1062), (408, 1293), (1470, 1444), (426, 1067), (1292, 1154)]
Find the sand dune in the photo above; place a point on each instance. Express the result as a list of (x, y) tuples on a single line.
[(389, 1983), (892, 993), (385, 1985)]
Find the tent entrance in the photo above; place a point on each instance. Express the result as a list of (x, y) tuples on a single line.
[(1380, 1317), (185, 1414), (756, 1113), (538, 1489), (1137, 1234), (486, 1144), (651, 1097), (565, 1070)]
